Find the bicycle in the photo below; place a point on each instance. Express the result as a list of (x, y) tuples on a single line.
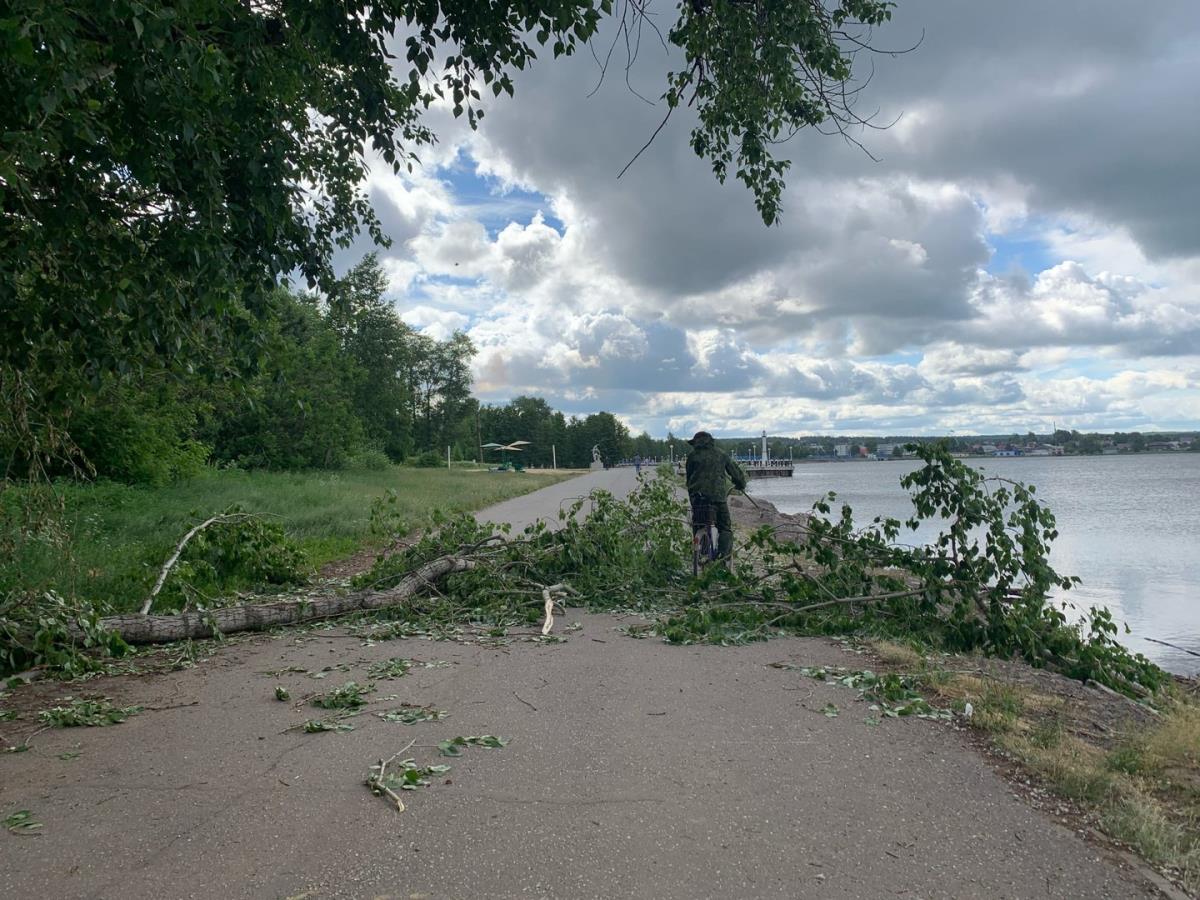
[(704, 545)]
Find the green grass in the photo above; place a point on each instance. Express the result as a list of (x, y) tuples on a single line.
[(114, 537)]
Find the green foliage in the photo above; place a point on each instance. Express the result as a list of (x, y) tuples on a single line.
[(395, 667), (404, 775), (411, 714), (454, 746), (140, 433), (531, 419), (758, 74), (350, 695), (317, 726), (299, 411), (983, 584), (248, 552), (87, 713), (166, 164), (438, 376), (382, 349), (369, 459), (430, 459), (45, 629), (621, 554), (891, 694), (387, 520), (22, 822), (71, 552)]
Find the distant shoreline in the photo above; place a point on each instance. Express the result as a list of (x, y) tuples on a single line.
[(871, 459)]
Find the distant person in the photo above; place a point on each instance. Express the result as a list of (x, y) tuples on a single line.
[(637, 464), (709, 471)]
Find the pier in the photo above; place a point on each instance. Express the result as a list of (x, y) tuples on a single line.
[(762, 466), (767, 468)]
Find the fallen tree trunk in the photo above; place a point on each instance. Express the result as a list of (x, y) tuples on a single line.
[(136, 628)]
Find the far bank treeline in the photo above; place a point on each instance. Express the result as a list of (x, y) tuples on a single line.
[(333, 382)]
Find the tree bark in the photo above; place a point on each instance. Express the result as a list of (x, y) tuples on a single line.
[(145, 629)]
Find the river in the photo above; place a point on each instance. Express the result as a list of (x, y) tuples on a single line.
[(1129, 526)]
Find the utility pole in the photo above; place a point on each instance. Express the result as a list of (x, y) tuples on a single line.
[(447, 457)]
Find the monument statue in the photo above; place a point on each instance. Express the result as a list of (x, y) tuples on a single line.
[(595, 453)]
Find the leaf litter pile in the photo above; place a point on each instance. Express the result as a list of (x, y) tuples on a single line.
[(86, 713), (891, 695), (411, 714)]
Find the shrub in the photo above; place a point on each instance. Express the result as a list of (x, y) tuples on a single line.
[(430, 459), (370, 459)]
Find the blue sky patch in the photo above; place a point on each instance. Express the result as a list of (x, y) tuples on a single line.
[(1019, 251), (485, 199)]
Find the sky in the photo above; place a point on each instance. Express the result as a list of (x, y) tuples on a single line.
[(1022, 252)]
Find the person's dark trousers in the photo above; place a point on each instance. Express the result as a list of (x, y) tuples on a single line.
[(724, 529), (721, 517)]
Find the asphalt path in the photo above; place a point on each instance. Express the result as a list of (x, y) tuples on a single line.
[(545, 504), (634, 769)]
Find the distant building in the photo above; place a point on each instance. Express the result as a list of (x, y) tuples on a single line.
[(842, 451), (885, 451)]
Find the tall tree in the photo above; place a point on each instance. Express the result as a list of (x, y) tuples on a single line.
[(438, 375), (164, 163), (299, 410), (374, 336)]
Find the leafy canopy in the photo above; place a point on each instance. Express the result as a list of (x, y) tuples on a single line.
[(163, 164)]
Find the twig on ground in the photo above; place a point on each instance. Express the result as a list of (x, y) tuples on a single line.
[(24, 745), (375, 782), (523, 700)]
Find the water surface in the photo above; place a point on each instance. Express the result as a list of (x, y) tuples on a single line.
[(1129, 526)]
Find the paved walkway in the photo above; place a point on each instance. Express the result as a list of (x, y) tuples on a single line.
[(635, 769), (546, 503)]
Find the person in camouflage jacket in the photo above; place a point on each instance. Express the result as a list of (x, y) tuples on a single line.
[(709, 471)]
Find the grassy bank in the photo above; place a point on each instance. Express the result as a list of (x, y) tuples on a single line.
[(112, 538), (1131, 773)]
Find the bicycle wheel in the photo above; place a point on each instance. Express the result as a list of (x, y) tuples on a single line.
[(705, 551)]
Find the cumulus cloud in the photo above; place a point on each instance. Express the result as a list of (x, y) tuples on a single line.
[(876, 304), (438, 324)]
